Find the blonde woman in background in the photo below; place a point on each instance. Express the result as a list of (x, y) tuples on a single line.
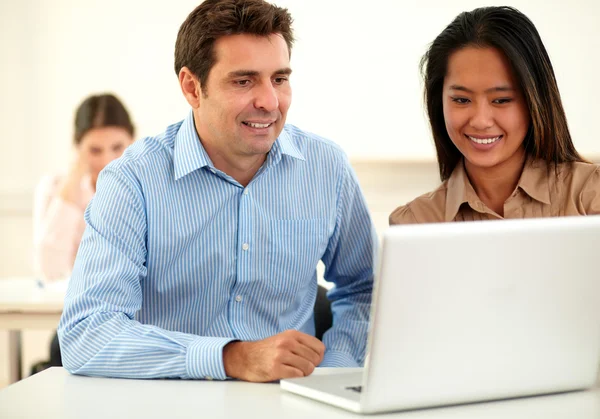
[(103, 130)]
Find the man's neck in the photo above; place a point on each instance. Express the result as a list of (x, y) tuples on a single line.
[(495, 185), (241, 168)]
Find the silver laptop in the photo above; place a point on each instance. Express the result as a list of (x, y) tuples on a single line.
[(466, 312)]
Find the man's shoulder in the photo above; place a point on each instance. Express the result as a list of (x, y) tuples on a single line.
[(148, 150), (312, 145)]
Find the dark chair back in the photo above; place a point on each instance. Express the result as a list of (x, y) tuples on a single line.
[(323, 316)]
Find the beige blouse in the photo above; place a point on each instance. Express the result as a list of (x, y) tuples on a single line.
[(542, 191)]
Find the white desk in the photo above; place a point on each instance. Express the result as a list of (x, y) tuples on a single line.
[(26, 304), (55, 394)]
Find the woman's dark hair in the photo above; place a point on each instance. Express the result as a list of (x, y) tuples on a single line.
[(511, 32), (99, 111)]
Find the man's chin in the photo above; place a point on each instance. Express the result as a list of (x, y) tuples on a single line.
[(259, 145), (262, 148)]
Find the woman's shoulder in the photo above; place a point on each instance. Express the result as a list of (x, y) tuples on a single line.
[(579, 183), (581, 167), (578, 175), (427, 208)]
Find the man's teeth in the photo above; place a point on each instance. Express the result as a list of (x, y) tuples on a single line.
[(255, 125), (484, 140)]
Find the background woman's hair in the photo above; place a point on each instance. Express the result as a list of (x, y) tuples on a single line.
[(99, 111)]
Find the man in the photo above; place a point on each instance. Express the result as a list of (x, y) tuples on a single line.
[(199, 257)]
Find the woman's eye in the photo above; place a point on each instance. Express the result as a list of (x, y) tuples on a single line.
[(460, 100)]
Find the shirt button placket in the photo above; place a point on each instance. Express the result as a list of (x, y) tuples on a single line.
[(244, 229)]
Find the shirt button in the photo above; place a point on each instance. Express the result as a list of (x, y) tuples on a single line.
[(245, 246), (238, 298), (208, 377), (245, 191)]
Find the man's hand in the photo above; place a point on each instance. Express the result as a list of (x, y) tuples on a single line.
[(285, 355)]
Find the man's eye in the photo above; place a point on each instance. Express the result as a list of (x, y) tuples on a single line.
[(280, 80), (242, 82)]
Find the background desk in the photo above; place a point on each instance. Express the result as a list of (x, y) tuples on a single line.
[(26, 304), (55, 394)]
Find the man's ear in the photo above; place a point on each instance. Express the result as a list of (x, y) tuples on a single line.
[(190, 87)]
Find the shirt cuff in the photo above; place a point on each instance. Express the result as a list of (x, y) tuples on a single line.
[(204, 358), (338, 360)]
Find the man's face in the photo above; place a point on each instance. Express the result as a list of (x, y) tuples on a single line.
[(247, 95)]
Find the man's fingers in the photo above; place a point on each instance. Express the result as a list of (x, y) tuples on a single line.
[(307, 353), (313, 343), (298, 362), (287, 371)]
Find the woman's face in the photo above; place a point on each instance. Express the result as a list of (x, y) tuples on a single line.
[(485, 111), (100, 146)]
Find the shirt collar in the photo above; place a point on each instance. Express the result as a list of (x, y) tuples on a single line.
[(460, 191), (284, 146), (533, 180), (189, 154)]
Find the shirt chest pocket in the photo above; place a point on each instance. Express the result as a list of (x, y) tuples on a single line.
[(295, 248)]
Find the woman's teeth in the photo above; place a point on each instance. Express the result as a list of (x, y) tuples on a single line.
[(484, 140)]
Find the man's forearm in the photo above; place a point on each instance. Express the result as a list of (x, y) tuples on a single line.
[(112, 345)]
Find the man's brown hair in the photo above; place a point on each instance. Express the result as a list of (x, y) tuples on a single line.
[(213, 19)]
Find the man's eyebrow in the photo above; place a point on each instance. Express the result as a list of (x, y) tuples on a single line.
[(286, 71), (242, 73), (503, 88), (254, 73)]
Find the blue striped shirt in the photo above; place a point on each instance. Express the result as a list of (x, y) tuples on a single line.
[(178, 258)]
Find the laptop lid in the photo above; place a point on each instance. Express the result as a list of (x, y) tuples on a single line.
[(484, 310)]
